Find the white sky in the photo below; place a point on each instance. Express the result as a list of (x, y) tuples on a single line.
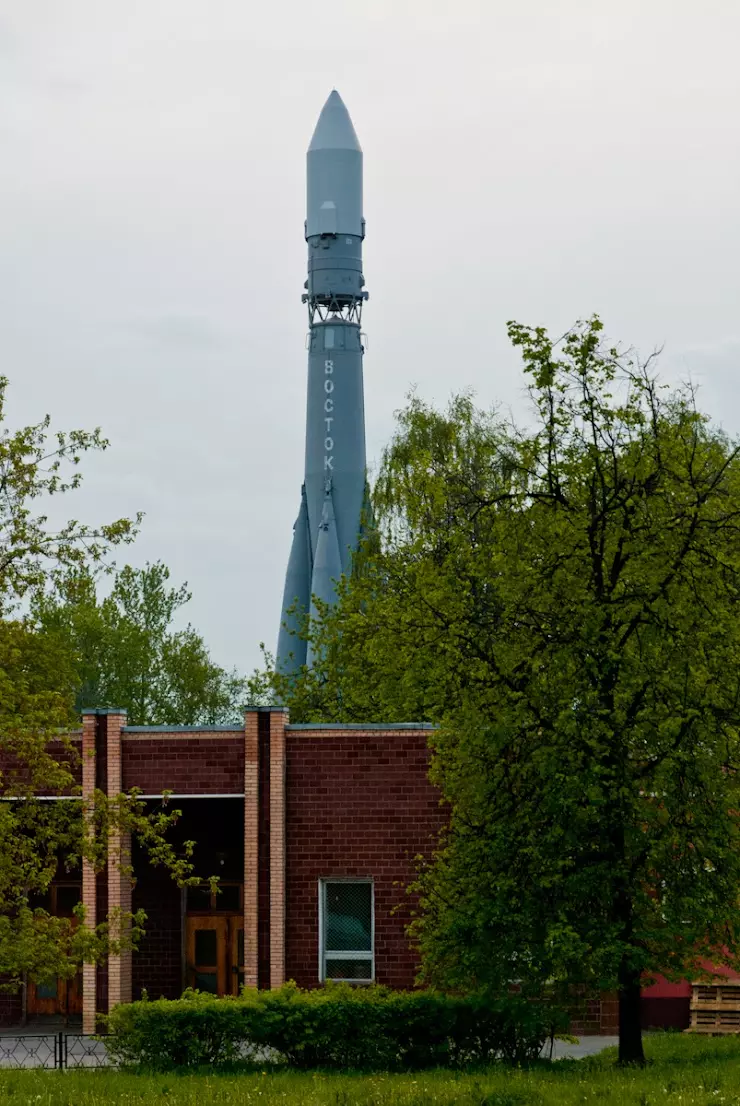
[(536, 160)]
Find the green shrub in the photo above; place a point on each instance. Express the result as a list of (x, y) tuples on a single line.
[(190, 1032), (335, 1027)]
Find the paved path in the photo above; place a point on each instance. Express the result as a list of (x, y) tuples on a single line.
[(587, 1046), (21, 1048), (25, 1049), (46, 1026)]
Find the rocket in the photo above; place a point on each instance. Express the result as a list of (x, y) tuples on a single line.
[(327, 530)]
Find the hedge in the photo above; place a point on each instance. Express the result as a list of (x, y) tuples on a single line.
[(336, 1027)]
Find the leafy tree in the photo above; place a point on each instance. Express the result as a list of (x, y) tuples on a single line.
[(37, 682), (128, 654), (261, 690), (34, 465), (562, 599)]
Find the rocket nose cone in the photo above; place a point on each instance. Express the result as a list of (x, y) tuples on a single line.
[(334, 130)]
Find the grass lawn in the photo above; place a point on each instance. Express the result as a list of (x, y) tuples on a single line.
[(694, 1071)]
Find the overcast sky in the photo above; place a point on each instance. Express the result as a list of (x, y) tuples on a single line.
[(537, 160)]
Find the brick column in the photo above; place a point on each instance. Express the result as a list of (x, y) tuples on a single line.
[(609, 1013), (89, 970), (119, 857), (278, 722), (251, 847)]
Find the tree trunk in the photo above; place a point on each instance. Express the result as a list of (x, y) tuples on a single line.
[(630, 1028)]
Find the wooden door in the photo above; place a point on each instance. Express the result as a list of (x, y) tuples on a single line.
[(74, 994), (236, 954), (206, 951), (47, 998), (60, 996)]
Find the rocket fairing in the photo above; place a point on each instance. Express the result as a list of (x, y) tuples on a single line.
[(327, 529)]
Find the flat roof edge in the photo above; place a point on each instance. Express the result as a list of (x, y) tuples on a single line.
[(103, 710), (390, 726), (182, 729)]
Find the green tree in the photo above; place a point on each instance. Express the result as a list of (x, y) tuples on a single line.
[(128, 653), (562, 599), (37, 684)]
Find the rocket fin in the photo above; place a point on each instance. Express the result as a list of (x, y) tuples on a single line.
[(327, 566), (291, 650)]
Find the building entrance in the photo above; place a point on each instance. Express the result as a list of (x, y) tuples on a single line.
[(57, 996), (60, 997), (214, 941)]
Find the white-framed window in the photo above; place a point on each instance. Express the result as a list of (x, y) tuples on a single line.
[(346, 930)]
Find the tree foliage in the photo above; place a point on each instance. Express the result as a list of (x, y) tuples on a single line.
[(128, 654), (36, 464), (562, 599), (38, 755)]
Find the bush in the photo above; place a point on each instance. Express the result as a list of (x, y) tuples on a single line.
[(337, 1026), (193, 1031), (340, 1026)]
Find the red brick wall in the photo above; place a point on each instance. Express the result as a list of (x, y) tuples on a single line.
[(188, 764), (359, 803), (11, 1005), (586, 1016), (15, 772), (157, 964)]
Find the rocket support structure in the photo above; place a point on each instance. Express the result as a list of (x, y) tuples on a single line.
[(327, 530)]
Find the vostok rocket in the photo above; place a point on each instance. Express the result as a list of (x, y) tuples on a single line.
[(329, 521)]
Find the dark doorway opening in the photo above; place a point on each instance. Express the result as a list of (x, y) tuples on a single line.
[(194, 936)]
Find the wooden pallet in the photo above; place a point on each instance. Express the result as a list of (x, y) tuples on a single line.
[(715, 1008)]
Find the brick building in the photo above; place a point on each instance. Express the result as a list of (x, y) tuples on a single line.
[(312, 830)]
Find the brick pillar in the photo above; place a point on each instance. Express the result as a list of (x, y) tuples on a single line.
[(278, 722), (251, 847), (119, 857), (89, 882), (609, 1013)]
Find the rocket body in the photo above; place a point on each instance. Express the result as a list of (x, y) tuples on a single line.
[(327, 529)]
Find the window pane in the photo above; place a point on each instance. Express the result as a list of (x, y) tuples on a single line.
[(349, 969), (206, 981), (240, 948), (205, 947), (228, 898), (199, 898), (67, 899), (40, 901), (348, 917)]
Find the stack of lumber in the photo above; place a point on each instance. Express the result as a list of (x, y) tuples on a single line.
[(715, 1007)]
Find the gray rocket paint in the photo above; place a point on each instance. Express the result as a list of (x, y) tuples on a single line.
[(332, 497)]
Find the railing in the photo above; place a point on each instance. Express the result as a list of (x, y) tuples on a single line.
[(53, 1050)]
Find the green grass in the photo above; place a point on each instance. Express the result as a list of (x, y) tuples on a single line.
[(688, 1070)]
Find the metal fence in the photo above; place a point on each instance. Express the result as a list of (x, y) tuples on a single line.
[(53, 1050)]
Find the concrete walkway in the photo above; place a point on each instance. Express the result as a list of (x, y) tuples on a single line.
[(587, 1046), (33, 1048), (43, 1025)]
